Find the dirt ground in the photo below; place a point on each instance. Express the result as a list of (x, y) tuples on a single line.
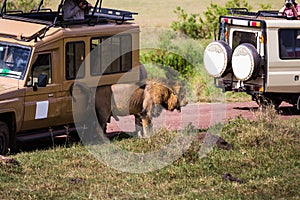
[(201, 116)]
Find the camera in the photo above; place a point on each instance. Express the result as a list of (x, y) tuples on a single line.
[(84, 4), (288, 3)]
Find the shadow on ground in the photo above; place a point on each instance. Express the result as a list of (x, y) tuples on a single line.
[(282, 110), (63, 141)]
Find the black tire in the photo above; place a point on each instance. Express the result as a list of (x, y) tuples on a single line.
[(4, 138)]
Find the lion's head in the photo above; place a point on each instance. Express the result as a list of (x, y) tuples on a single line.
[(180, 91), (170, 96)]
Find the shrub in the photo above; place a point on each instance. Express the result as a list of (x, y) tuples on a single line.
[(196, 27), (23, 5), (176, 52)]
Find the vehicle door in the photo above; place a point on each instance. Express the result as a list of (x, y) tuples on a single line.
[(43, 99), (284, 67)]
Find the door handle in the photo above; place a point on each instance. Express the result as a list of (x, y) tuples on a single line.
[(50, 95)]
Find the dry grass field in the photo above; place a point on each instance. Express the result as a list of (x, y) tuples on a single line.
[(158, 13)]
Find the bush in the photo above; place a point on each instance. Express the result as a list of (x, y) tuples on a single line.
[(196, 27), (174, 51), (23, 5)]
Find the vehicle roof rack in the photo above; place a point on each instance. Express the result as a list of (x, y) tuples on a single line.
[(97, 15), (49, 18), (120, 16), (261, 13)]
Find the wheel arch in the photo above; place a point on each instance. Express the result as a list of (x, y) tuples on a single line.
[(10, 119)]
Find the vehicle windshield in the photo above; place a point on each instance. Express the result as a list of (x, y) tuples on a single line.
[(13, 60)]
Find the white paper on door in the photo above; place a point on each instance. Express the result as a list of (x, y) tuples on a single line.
[(41, 109)]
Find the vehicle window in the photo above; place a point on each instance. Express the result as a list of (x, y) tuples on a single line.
[(75, 55), (14, 60), (43, 66), (289, 40), (111, 54), (240, 37)]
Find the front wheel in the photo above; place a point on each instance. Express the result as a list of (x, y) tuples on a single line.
[(4, 138)]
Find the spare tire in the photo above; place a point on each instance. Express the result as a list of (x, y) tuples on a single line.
[(245, 62), (217, 57)]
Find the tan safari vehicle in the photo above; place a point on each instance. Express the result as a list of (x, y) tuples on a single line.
[(40, 55), (257, 53)]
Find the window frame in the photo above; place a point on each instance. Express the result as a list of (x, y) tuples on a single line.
[(122, 45), (243, 39), (31, 82), (283, 44), (75, 70)]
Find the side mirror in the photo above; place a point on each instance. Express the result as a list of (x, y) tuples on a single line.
[(42, 82)]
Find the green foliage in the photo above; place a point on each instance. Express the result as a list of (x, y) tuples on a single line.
[(176, 52), (23, 5), (265, 6), (197, 27), (179, 57), (191, 25)]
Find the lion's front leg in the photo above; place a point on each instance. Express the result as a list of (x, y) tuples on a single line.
[(138, 125), (147, 126), (143, 125)]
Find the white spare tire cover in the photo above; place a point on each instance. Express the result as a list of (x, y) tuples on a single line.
[(217, 56), (245, 62)]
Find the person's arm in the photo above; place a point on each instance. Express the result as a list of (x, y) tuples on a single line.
[(297, 11), (294, 11), (281, 11), (85, 6), (70, 10)]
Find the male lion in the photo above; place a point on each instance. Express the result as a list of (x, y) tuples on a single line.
[(144, 101)]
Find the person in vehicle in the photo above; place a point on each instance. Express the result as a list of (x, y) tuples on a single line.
[(20, 60), (75, 9), (290, 9)]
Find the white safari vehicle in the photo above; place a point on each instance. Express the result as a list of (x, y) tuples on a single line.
[(40, 58), (257, 53)]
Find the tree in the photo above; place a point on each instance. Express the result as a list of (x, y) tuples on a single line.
[(23, 5), (197, 27)]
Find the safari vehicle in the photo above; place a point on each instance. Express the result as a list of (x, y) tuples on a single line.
[(257, 53), (40, 55)]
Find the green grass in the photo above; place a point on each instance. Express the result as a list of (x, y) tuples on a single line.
[(265, 156)]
